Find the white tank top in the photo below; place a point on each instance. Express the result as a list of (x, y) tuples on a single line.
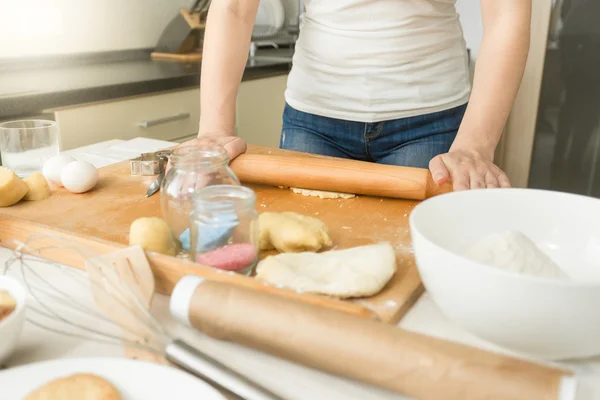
[(377, 60)]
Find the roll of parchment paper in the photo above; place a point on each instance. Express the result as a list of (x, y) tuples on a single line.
[(415, 365)]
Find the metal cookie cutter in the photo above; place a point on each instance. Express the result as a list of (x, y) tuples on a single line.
[(150, 163)]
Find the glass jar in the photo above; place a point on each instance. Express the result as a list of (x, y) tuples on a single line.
[(192, 168), (224, 228)]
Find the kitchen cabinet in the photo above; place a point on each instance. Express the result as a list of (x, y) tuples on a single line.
[(169, 116), (172, 116), (260, 104)]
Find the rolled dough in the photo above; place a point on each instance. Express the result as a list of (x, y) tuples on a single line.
[(290, 232), (355, 272), (323, 194)]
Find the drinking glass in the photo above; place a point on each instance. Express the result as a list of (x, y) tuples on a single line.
[(26, 145)]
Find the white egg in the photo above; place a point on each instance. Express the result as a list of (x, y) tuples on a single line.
[(79, 176), (53, 167)]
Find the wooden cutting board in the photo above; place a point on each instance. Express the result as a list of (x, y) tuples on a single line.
[(100, 220)]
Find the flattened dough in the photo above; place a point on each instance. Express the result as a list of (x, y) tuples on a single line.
[(290, 232), (323, 194), (356, 272), (78, 386)]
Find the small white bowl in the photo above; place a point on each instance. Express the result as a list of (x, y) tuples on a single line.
[(12, 326), (533, 316)]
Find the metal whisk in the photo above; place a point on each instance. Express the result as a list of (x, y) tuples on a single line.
[(74, 308)]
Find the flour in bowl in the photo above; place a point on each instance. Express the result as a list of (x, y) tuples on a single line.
[(513, 251)]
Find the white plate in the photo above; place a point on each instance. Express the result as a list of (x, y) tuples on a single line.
[(136, 380)]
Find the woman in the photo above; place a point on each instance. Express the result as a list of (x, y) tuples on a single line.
[(381, 80)]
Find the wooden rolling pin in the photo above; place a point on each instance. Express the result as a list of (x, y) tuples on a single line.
[(419, 366), (276, 167)]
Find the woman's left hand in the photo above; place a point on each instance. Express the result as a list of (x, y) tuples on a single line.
[(467, 169)]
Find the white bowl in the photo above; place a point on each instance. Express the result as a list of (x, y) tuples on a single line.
[(12, 326), (533, 316)]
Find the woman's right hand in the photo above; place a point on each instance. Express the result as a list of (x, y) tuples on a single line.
[(232, 144)]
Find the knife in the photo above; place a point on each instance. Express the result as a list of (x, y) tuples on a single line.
[(155, 186), (196, 4)]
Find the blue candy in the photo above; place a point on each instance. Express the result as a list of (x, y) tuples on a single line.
[(209, 238), (185, 239)]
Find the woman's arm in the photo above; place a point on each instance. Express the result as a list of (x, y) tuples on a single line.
[(498, 73), (225, 53)]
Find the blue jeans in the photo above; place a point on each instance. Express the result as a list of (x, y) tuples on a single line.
[(412, 141)]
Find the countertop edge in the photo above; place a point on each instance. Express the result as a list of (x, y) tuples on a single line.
[(31, 104)]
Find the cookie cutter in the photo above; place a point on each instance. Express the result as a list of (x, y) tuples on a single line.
[(150, 163)]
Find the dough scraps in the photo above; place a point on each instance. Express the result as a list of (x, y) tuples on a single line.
[(78, 386), (323, 194), (290, 232), (356, 272)]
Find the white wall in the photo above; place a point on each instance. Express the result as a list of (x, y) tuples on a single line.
[(470, 18), (41, 27)]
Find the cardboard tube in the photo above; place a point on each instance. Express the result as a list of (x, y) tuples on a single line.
[(408, 363)]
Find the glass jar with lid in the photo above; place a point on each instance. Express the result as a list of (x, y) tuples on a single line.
[(192, 168), (224, 228)]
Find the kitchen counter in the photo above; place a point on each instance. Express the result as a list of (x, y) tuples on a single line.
[(27, 87)]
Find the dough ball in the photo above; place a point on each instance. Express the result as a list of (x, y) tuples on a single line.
[(323, 194), (53, 168), (76, 387), (38, 187), (513, 251), (290, 232), (12, 188), (355, 272), (153, 234), (79, 176)]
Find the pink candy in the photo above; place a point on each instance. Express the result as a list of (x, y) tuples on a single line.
[(233, 257)]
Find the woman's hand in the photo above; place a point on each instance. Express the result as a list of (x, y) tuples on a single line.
[(469, 163), (232, 144), (467, 169)]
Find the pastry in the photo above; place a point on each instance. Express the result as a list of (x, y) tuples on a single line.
[(76, 387)]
